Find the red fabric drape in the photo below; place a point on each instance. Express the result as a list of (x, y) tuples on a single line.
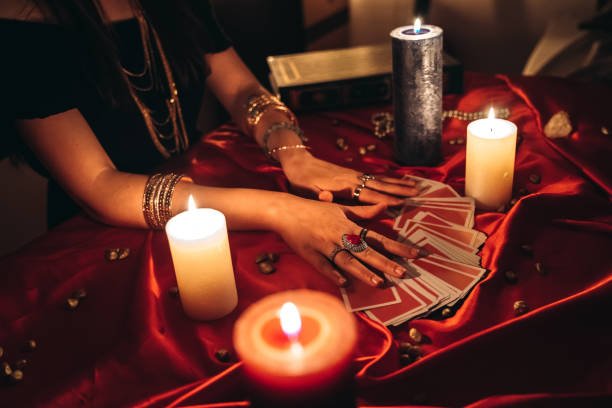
[(129, 343)]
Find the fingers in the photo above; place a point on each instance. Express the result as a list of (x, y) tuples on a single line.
[(394, 247), (364, 212), (372, 196), (326, 267), (351, 265), (392, 188), (326, 196), (380, 262), (404, 182)]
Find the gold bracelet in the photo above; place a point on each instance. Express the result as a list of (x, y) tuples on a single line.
[(147, 199), (257, 105), (157, 198), (281, 148)]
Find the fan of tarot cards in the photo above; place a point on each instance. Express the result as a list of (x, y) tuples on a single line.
[(440, 221)]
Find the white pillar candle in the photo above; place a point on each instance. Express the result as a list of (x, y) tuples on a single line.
[(489, 162), (202, 262)]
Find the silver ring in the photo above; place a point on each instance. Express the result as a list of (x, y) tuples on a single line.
[(332, 254), (366, 177), (357, 192), (363, 233)]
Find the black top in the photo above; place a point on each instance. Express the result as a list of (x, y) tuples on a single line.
[(40, 75)]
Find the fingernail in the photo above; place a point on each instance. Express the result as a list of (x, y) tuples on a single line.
[(376, 281), (400, 271), (423, 252)]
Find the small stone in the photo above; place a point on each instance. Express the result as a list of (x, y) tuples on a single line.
[(20, 364), (447, 312), (349, 159), (6, 369), (406, 359), (79, 294), (415, 335), (522, 191), (512, 202), (266, 267), (511, 276), (540, 268), (173, 291), (362, 150), (371, 147), (261, 258), (341, 143), (223, 355), (605, 130), (273, 256), (124, 253), (520, 307), (31, 345), (558, 126), (112, 254), (72, 303), (17, 376), (460, 140), (409, 348), (535, 178), (527, 249), (452, 141), (1, 351)]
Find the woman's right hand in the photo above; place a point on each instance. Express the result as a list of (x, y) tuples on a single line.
[(315, 230)]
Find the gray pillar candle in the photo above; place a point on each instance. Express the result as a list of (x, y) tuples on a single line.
[(417, 94)]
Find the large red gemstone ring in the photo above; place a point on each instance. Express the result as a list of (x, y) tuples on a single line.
[(353, 243)]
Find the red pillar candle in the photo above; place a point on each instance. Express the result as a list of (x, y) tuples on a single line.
[(301, 357)]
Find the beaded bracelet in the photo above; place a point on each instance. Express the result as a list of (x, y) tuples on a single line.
[(278, 126), (281, 148)]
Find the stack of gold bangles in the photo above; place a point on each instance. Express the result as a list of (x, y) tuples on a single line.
[(256, 106), (157, 198)]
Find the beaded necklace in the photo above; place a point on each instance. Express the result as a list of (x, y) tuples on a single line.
[(167, 141)]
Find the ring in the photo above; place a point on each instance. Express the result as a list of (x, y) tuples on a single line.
[(353, 243), (366, 177), (357, 192), (363, 234), (335, 252)]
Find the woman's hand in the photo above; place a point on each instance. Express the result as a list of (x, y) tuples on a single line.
[(315, 230), (328, 181)]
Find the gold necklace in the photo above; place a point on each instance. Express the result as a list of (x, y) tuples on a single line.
[(178, 135)]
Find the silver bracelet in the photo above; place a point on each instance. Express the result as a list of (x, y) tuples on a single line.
[(278, 126)]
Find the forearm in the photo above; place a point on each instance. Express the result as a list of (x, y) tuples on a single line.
[(117, 199)]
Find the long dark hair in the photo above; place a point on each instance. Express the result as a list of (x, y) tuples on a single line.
[(178, 23)]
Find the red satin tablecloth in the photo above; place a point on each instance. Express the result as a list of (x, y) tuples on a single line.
[(129, 343)]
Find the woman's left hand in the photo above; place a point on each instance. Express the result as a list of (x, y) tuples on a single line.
[(328, 181)]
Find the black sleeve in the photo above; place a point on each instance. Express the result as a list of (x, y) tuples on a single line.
[(39, 74), (216, 40)]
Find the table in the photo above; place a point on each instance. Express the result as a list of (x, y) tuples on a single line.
[(129, 344)]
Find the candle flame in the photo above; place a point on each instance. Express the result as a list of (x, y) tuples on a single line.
[(491, 113), (290, 320), (417, 25), (191, 205)]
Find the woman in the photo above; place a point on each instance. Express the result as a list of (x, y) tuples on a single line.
[(102, 91)]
